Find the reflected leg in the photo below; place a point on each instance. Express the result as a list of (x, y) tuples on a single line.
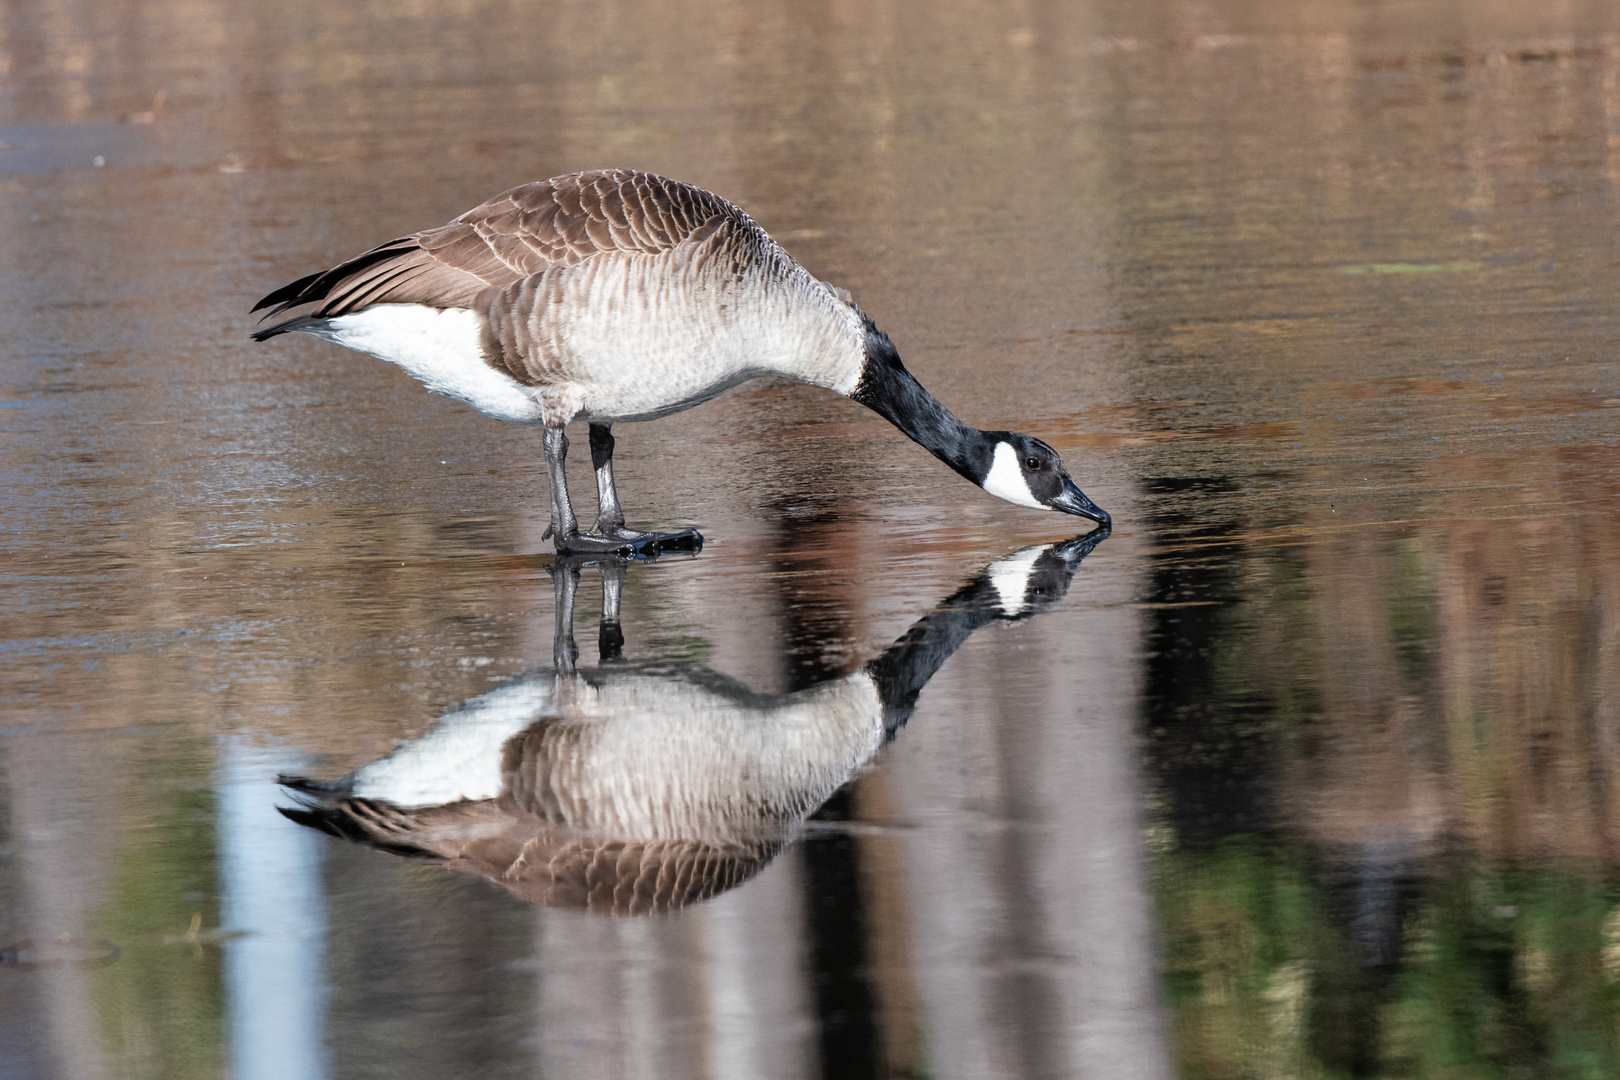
[(565, 585), (610, 638)]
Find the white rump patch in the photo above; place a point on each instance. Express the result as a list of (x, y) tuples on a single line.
[(461, 757), (1010, 576), (441, 348), (1006, 479)]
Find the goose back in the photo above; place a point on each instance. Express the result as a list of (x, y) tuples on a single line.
[(608, 296), (523, 231)]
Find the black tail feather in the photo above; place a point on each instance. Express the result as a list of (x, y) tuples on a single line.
[(289, 294), (315, 819), (313, 287), (336, 821), (341, 786), (303, 322)]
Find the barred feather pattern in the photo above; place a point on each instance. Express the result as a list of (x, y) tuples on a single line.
[(525, 231)]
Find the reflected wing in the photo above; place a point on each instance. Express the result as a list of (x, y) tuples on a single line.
[(541, 865), (558, 222), (614, 877)]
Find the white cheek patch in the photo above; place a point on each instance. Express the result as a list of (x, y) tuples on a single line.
[(1006, 479), (1010, 577)]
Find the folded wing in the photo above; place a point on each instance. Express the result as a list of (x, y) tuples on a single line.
[(525, 231)]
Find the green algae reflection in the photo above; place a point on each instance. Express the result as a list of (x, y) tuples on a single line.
[(162, 1005), (1498, 971), (1383, 774)]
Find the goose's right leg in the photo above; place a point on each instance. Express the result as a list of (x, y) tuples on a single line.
[(563, 523)]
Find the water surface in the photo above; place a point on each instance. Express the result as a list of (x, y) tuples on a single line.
[(1309, 770)]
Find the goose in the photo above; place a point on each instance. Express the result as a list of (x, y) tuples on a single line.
[(613, 296), (640, 787)]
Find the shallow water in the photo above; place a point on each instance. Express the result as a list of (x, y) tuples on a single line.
[(1311, 769)]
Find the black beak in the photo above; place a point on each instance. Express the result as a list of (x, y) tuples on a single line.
[(1071, 500)]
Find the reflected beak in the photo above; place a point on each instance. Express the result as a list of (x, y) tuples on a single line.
[(1071, 500), (1072, 551)]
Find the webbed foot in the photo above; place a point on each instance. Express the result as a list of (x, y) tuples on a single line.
[(623, 541)]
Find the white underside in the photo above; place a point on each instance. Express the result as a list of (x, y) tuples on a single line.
[(1010, 577), (461, 757), (439, 347), (1006, 479)]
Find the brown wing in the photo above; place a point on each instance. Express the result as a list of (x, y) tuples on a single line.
[(518, 233)]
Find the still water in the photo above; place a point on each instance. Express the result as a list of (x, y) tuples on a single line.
[(1310, 769)]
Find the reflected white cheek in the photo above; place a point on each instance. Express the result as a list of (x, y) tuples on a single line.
[(1006, 479), (1010, 577)]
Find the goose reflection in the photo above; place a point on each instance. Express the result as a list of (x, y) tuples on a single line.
[(634, 788)]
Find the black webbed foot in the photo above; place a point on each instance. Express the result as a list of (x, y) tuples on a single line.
[(629, 542)]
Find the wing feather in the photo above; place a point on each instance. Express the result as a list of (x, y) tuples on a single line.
[(525, 231)]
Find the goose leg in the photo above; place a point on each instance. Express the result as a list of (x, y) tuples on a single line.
[(609, 536), (563, 523), (609, 516)]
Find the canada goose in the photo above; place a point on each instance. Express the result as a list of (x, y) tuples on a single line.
[(638, 787), (612, 296)]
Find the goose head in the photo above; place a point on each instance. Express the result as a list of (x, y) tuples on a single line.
[(1025, 471), (1010, 465)]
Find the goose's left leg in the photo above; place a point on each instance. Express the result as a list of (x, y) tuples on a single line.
[(609, 516)]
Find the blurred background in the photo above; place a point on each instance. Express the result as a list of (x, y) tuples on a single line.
[(1313, 772)]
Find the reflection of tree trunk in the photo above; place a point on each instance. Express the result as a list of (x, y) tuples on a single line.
[(1033, 931), (273, 894), (819, 608), (760, 1005), (837, 926)]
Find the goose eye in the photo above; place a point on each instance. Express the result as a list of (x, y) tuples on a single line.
[(1033, 464)]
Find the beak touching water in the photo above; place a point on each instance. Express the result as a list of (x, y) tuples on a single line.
[(1071, 500)]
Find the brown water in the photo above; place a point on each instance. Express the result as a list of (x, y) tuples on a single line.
[(1314, 770)]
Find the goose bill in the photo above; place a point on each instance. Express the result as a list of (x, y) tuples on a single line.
[(1071, 500)]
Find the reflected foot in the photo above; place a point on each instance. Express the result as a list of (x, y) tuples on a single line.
[(628, 542)]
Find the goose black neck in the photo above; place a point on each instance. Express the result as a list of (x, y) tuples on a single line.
[(889, 390), (907, 665)]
